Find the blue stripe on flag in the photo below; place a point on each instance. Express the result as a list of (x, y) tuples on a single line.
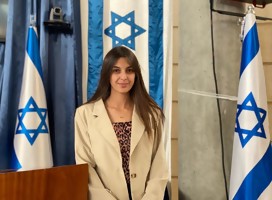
[(257, 179), (155, 38), (95, 44), (250, 47), (33, 48)]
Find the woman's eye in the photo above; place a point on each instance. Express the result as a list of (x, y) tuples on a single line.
[(130, 70), (115, 70)]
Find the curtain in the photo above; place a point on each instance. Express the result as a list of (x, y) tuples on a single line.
[(2, 54), (61, 63)]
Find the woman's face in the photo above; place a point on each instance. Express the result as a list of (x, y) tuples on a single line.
[(122, 77)]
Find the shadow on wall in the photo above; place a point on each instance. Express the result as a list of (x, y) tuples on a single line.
[(182, 196)]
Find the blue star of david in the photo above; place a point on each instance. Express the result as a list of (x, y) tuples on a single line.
[(250, 104), (32, 134), (135, 30)]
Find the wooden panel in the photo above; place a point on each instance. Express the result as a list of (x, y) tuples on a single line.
[(174, 158), (66, 182), (175, 83), (175, 74), (174, 189), (176, 14), (176, 45)]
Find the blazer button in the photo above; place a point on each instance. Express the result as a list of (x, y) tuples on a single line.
[(133, 175)]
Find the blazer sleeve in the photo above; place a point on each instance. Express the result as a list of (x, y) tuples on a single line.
[(158, 174), (83, 154)]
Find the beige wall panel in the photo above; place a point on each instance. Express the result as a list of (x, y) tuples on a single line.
[(200, 154), (264, 12), (265, 32), (268, 80), (270, 118)]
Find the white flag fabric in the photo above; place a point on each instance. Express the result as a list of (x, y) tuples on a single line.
[(32, 146), (251, 171), (143, 26)]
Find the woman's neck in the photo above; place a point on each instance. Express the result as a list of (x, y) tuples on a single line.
[(119, 108), (119, 101)]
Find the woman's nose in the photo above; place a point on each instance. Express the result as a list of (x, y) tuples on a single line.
[(123, 75)]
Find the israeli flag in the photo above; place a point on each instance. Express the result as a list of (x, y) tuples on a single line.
[(251, 171), (143, 26), (32, 146)]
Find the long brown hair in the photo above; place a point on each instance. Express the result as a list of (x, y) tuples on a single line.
[(149, 112)]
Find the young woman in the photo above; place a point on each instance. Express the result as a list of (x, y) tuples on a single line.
[(118, 132)]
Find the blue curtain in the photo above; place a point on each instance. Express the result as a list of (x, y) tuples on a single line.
[(2, 55), (61, 63)]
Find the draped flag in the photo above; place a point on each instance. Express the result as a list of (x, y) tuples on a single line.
[(32, 146), (143, 26), (251, 171)]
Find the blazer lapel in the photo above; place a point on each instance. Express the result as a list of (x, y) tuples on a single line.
[(136, 131), (104, 126)]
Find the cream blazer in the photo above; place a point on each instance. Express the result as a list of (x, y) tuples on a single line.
[(96, 144)]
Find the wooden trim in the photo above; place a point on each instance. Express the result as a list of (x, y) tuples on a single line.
[(267, 63)]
